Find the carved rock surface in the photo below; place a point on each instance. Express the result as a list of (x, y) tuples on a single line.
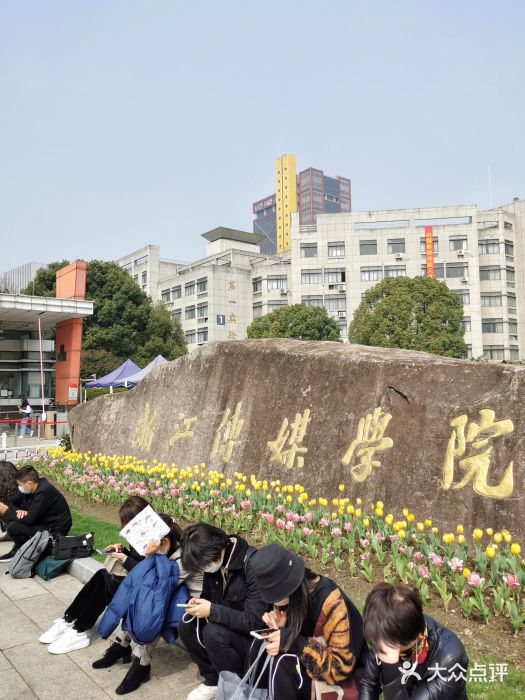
[(377, 420)]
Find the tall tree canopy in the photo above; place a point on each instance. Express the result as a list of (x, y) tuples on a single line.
[(125, 323), (297, 321), (415, 313)]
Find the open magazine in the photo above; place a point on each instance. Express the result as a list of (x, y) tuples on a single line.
[(144, 527)]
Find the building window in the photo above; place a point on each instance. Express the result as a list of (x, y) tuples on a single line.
[(189, 288), (144, 278), (257, 285), (464, 295), (165, 295), (176, 314), (190, 337), (489, 273), (511, 277), (336, 250), (128, 267), (513, 328), (509, 251), (457, 244), (272, 305), (507, 225), (396, 245), (141, 261), (367, 247), (334, 276), (177, 292), (308, 250), (202, 310), (457, 270), (277, 282), (202, 335), (395, 271), (371, 274), (466, 324), (468, 355), (492, 325), (423, 245), (189, 313), (488, 247), (337, 302), (514, 354), (439, 271), (494, 352), (257, 309), (312, 300), (491, 299), (136, 279), (311, 277), (511, 301), (202, 285)]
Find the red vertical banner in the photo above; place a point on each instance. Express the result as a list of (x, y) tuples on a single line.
[(429, 251)]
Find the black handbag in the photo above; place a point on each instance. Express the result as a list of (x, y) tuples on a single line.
[(72, 546)]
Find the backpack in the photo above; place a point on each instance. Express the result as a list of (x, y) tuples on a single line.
[(29, 554)]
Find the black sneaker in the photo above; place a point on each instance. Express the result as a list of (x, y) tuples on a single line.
[(112, 654), (10, 555), (136, 675)]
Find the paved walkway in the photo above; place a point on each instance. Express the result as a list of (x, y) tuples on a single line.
[(28, 670)]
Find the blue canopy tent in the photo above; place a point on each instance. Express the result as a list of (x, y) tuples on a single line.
[(126, 369), (134, 379)]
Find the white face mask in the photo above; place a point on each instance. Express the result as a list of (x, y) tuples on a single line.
[(23, 490), (213, 567)]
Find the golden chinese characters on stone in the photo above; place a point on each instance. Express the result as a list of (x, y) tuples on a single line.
[(227, 434), (291, 434), (370, 440)]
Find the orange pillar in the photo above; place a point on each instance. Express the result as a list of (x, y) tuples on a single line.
[(71, 284)]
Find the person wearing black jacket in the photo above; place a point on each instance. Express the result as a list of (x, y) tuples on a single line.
[(37, 506), (412, 657), (216, 627), (69, 632)]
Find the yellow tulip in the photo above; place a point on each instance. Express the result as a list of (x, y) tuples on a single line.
[(515, 549), (490, 551), (466, 572), (350, 510), (461, 539), (498, 537), (410, 517), (459, 529), (358, 512), (401, 534), (477, 534), (507, 537), (389, 519), (341, 488), (366, 522), (489, 531)]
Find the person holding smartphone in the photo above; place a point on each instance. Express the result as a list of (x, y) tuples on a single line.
[(411, 655), (316, 635), (69, 632)]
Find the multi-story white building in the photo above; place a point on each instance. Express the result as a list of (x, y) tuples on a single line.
[(479, 254)]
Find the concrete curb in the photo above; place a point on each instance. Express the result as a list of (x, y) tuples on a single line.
[(83, 569)]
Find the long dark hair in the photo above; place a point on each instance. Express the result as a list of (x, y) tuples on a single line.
[(299, 613), (131, 507), (175, 533)]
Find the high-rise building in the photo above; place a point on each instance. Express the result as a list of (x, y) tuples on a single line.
[(314, 193), (19, 277)]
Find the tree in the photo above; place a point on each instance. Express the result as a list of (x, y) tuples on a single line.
[(297, 321), (99, 362), (44, 284), (418, 313), (164, 337)]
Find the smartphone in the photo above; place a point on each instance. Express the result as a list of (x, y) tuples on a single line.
[(261, 634), (184, 605), (108, 550)]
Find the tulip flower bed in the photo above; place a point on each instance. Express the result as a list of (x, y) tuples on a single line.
[(484, 573)]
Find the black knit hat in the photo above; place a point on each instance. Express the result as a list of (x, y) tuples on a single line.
[(277, 571)]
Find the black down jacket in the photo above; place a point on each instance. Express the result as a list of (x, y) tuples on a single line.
[(446, 657)]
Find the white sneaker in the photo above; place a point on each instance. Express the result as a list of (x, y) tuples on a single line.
[(203, 692), (31, 434), (70, 640), (56, 630)]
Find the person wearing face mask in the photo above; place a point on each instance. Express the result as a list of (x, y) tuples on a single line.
[(216, 627), (37, 506), (412, 657)]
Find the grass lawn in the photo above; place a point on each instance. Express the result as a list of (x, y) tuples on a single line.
[(513, 687)]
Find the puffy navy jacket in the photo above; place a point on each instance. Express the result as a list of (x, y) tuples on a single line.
[(146, 600)]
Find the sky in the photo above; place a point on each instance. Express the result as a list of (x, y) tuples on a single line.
[(129, 122)]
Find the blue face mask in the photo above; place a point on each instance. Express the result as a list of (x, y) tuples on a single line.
[(23, 490)]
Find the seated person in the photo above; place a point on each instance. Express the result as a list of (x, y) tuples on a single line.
[(38, 506), (318, 635), (216, 628), (68, 633), (148, 582), (411, 655)]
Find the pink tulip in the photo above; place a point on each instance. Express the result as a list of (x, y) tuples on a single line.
[(402, 549), (245, 505), (512, 581), (308, 517), (324, 522), (411, 566), (279, 524), (455, 564), (289, 525), (268, 517), (423, 571), (365, 555), (307, 531), (475, 580), (348, 527), (280, 508), (364, 543), (418, 557), (336, 532)]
